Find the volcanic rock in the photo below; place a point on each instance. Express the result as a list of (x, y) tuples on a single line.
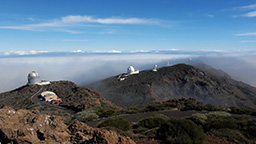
[(24, 126)]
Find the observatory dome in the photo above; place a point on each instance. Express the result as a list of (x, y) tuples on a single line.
[(33, 74), (131, 70), (33, 78)]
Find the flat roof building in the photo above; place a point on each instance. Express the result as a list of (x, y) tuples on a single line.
[(48, 95)]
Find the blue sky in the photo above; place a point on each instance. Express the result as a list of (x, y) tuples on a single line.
[(122, 25)]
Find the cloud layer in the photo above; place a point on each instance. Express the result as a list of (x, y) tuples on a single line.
[(89, 68), (64, 24), (80, 69)]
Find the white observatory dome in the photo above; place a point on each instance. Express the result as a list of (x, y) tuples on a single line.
[(155, 68), (33, 78), (131, 70)]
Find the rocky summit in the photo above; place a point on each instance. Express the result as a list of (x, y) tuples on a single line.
[(174, 82), (24, 126)]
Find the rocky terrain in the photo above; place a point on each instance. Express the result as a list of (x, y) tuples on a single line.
[(74, 97), (179, 81), (24, 126), (78, 98)]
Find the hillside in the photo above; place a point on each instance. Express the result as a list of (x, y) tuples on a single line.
[(74, 97), (178, 81), (78, 98)]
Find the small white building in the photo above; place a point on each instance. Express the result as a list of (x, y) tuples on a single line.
[(155, 68), (168, 63), (131, 70), (48, 95)]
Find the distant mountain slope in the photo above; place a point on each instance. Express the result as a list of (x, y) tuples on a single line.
[(73, 96), (178, 81)]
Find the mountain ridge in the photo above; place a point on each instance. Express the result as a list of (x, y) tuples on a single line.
[(178, 81)]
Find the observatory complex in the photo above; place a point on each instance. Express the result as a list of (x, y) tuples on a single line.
[(34, 79)]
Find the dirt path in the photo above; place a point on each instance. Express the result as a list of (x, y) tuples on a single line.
[(139, 116)]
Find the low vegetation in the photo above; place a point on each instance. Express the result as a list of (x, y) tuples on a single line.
[(181, 131), (85, 116), (192, 130), (152, 121), (237, 129), (118, 123), (19, 98)]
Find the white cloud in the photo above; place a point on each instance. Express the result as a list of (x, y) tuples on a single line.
[(32, 52), (173, 49), (248, 7), (112, 20), (250, 14), (139, 51), (77, 51), (246, 34), (111, 51), (31, 19), (72, 21)]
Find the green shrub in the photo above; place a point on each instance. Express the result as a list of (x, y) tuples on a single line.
[(190, 105), (86, 115), (132, 110), (248, 128), (152, 121), (230, 135), (106, 112), (150, 133), (198, 118), (181, 131), (153, 108), (211, 107), (140, 130), (119, 123), (220, 121), (247, 111), (218, 114)]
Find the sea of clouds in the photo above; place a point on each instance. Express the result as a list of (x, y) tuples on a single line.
[(87, 68)]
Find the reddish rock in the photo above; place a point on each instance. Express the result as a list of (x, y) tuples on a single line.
[(216, 140), (24, 126), (83, 133)]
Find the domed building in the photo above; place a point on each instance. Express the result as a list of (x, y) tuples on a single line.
[(131, 70), (33, 78), (155, 68)]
